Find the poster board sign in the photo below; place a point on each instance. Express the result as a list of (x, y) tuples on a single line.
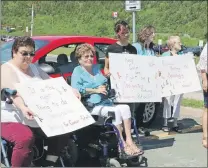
[(178, 75), (134, 78), (58, 110)]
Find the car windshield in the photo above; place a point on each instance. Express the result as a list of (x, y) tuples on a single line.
[(6, 48)]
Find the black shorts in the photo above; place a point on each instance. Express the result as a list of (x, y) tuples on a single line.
[(206, 97)]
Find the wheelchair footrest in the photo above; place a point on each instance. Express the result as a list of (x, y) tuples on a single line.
[(124, 156)]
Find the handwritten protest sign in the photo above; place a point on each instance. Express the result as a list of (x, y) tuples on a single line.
[(135, 78), (178, 75), (57, 108)]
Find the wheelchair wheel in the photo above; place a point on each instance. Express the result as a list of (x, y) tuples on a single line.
[(113, 163), (70, 154)]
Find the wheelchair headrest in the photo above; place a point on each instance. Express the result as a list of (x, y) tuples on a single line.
[(73, 58), (6, 95), (62, 59)]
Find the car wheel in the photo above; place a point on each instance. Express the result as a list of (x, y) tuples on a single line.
[(149, 111)]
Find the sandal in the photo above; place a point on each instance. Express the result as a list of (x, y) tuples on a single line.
[(127, 153), (136, 149)]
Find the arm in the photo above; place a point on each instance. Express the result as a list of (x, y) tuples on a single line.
[(106, 68), (77, 82), (203, 67), (9, 78)]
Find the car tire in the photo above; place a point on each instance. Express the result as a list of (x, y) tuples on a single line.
[(150, 111)]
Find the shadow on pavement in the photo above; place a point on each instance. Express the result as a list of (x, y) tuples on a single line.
[(188, 125), (149, 144)]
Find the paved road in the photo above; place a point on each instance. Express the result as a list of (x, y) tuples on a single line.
[(177, 150)]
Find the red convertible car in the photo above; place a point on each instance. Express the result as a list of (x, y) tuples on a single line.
[(55, 54)]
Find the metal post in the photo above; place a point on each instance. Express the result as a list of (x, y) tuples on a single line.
[(32, 15), (1, 3), (159, 48), (134, 26)]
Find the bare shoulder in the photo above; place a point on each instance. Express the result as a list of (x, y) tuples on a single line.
[(6, 68)]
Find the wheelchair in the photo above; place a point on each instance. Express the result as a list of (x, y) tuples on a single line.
[(68, 156), (99, 142)]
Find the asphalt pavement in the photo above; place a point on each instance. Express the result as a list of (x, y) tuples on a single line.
[(173, 149)]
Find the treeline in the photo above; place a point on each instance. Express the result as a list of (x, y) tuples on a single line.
[(95, 17)]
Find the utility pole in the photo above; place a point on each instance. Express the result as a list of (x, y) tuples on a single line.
[(32, 21), (1, 3), (134, 26)]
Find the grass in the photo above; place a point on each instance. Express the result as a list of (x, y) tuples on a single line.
[(192, 103), (61, 50), (196, 59)]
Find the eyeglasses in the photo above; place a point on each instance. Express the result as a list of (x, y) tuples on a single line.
[(31, 54), (88, 56)]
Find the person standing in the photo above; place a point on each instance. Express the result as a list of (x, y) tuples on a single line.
[(144, 44), (122, 29), (174, 101), (202, 66), (122, 45), (144, 47)]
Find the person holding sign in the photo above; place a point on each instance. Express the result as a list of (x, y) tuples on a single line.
[(174, 44), (144, 44), (17, 120), (202, 66), (144, 47), (122, 45), (88, 79)]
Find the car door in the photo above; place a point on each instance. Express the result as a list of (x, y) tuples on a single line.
[(51, 54)]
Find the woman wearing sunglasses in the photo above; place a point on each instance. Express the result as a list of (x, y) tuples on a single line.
[(88, 79), (17, 120)]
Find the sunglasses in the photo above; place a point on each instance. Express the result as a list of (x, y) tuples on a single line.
[(25, 54)]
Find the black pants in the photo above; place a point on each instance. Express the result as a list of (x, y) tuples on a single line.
[(55, 144), (139, 115)]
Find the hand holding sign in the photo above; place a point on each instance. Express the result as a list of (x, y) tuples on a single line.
[(27, 113), (57, 109)]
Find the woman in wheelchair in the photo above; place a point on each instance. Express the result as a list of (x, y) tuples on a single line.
[(17, 124), (88, 79)]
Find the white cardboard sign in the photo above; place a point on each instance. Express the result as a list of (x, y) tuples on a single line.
[(178, 75), (135, 78), (59, 111)]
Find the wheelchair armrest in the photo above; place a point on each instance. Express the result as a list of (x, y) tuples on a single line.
[(112, 114), (99, 120), (6, 94)]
